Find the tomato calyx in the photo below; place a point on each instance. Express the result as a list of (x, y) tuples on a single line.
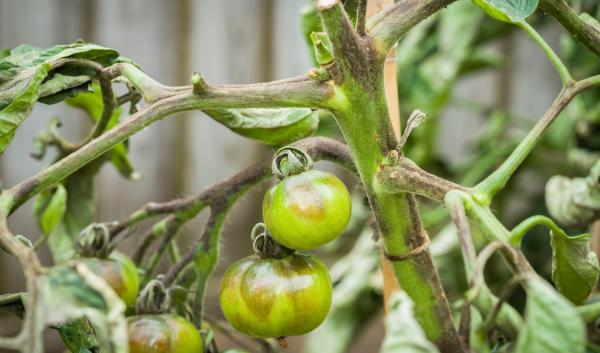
[(290, 161), (265, 246), (94, 241), (153, 299)]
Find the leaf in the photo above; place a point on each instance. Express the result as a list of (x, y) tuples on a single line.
[(50, 208), (29, 56), (403, 333), (574, 266), (271, 126), (73, 292), (91, 102), (80, 211), (78, 336), (19, 108), (119, 160), (61, 87), (552, 324), (23, 72), (513, 11), (310, 21)]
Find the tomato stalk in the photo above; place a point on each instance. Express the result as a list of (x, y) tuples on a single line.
[(360, 108)]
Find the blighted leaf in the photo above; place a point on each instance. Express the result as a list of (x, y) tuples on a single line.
[(403, 333), (12, 115), (552, 324), (72, 292), (29, 56), (50, 207), (22, 74), (574, 201), (271, 126), (513, 11), (574, 266)]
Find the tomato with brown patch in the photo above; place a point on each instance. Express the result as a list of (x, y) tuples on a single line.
[(119, 272), (307, 210), (165, 333), (276, 297)]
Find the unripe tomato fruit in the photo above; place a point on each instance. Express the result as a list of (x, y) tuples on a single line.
[(119, 272), (307, 210), (276, 297), (165, 333)]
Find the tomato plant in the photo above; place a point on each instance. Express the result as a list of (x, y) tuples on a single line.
[(424, 261)]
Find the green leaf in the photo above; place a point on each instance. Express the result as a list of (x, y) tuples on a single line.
[(80, 212), (310, 21), (12, 115), (513, 11), (271, 126), (403, 333), (61, 87), (4, 53), (50, 207), (552, 324), (78, 336), (574, 266), (91, 102)]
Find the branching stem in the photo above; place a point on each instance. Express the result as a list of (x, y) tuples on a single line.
[(487, 189)]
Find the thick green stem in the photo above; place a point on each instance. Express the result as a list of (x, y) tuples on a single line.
[(367, 129), (360, 107)]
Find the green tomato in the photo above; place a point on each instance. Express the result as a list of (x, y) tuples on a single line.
[(276, 297), (165, 333), (307, 210), (120, 273)]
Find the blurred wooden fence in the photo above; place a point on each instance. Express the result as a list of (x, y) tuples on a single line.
[(233, 41)]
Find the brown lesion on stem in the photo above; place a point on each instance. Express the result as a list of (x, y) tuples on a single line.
[(352, 49), (408, 177), (388, 26)]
